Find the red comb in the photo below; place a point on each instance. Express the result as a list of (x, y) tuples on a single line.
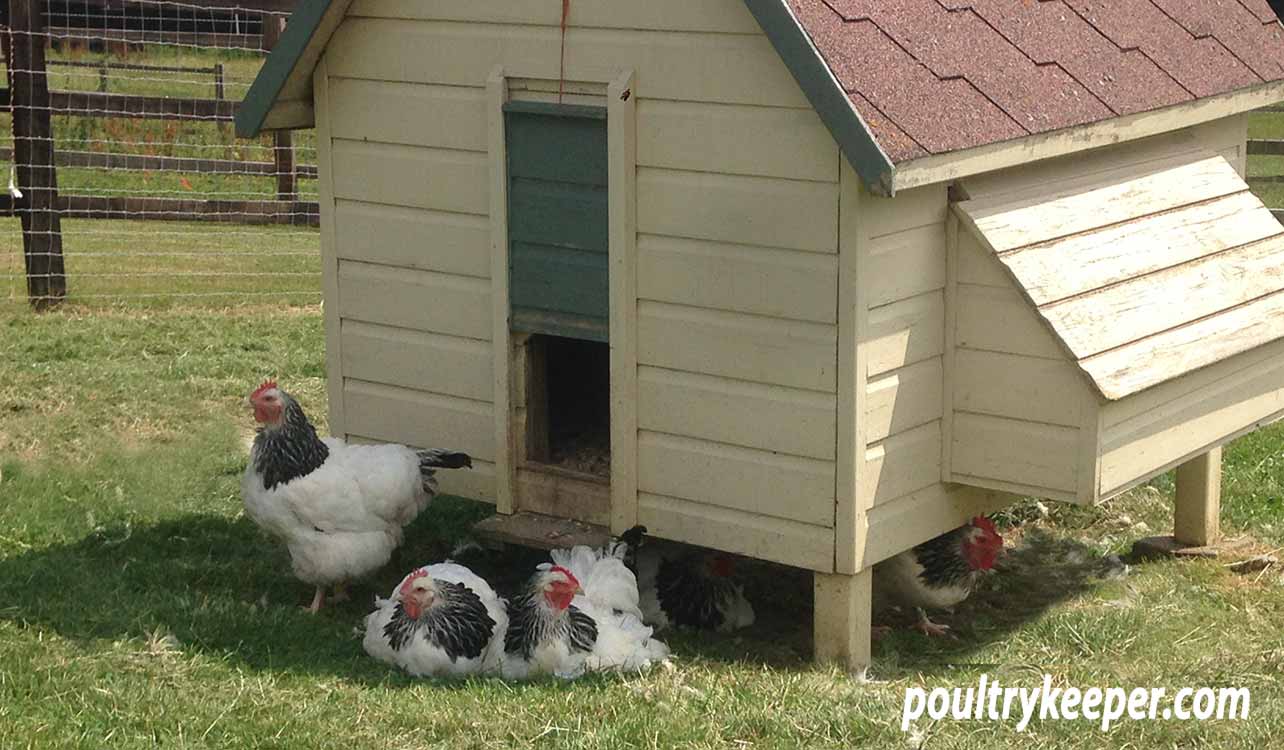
[(264, 386), (571, 576), (985, 524), (414, 576)]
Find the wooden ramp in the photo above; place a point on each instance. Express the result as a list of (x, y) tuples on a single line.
[(540, 531)]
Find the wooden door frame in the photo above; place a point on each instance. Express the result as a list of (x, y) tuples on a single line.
[(621, 119)]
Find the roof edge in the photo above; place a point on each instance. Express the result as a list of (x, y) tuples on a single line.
[(300, 44), (824, 92), (991, 157)]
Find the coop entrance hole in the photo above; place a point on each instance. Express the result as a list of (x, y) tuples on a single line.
[(568, 404)]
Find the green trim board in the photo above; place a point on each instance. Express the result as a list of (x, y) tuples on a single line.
[(558, 219), (825, 94), (299, 38)]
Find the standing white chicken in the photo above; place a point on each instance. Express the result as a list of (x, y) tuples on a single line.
[(442, 619), (564, 627), (339, 508)]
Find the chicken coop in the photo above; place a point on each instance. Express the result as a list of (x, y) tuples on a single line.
[(810, 282)]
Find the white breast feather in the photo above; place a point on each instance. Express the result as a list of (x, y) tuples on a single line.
[(342, 520)]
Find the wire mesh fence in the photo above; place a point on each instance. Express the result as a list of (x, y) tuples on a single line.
[(125, 180)]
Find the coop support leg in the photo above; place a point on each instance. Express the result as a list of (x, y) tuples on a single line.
[(1199, 499), (842, 618)]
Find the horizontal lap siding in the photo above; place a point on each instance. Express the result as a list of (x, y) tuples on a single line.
[(904, 275), (1183, 417), (419, 418), (408, 358), (422, 300), (738, 349), (414, 238), (675, 66), (904, 279), (1017, 400), (746, 479), (737, 264)]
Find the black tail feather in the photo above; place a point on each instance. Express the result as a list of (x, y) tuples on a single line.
[(633, 537), (441, 459)]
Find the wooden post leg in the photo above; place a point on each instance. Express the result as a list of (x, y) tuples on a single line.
[(842, 611), (1199, 498)]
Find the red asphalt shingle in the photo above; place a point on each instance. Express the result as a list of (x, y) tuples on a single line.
[(1259, 8), (868, 62), (1204, 66), (1052, 34), (1235, 27), (933, 76)]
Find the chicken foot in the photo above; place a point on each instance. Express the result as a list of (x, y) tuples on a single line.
[(317, 600), (929, 628)]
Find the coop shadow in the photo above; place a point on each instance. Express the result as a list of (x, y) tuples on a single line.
[(216, 585), (1043, 571)]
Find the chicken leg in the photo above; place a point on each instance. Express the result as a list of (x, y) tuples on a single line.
[(929, 628), (317, 600)]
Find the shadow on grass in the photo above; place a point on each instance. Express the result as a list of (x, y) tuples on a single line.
[(221, 588)]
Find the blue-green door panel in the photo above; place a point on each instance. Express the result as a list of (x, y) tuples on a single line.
[(543, 141), (558, 214), (558, 280), (558, 219)]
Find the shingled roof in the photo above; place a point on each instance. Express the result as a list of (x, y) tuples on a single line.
[(914, 91), (935, 76)]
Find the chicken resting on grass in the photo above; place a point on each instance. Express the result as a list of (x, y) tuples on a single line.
[(560, 627), (442, 619), (339, 508), (938, 573)]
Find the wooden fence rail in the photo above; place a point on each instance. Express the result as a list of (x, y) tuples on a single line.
[(144, 162)]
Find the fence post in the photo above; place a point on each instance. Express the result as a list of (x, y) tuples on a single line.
[(218, 97), (33, 154), (283, 140)]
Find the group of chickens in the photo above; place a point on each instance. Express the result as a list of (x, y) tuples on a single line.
[(340, 509)]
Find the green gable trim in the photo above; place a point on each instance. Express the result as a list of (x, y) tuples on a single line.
[(282, 61), (825, 94)]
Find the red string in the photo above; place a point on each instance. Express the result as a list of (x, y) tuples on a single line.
[(561, 67)]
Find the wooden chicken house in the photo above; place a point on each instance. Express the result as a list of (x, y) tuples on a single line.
[(806, 281)]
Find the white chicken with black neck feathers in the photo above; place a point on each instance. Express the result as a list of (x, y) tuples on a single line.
[(441, 620), (339, 508), (563, 627)]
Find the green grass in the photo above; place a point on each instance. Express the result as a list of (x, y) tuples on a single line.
[(138, 607), (163, 263)]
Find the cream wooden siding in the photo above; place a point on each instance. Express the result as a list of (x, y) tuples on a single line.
[(1025, 418), (1164, 426), (737, 241), (1017, 401), (737, 288), (900, 282)]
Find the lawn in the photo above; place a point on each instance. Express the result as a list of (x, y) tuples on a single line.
[(139, 607)]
